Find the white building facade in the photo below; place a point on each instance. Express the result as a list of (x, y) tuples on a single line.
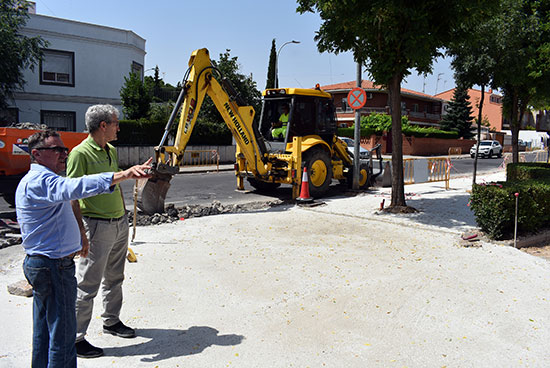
[(84, 64)]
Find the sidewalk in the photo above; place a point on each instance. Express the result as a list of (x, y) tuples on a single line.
[(338, 285)]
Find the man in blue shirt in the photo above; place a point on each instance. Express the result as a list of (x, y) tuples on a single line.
[(51, 238)]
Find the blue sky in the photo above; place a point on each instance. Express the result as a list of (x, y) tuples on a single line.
[(173, 29)]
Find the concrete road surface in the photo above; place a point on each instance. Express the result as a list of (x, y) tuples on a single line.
[(338, 285)]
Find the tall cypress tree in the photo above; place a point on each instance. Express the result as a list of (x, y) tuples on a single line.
[(271, 67), (459, 115)]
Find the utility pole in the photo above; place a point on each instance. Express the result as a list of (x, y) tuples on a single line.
[(357, 136), (277, 62), (437, 82), (424, 84)]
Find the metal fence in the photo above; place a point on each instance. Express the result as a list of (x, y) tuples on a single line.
[(427, 170), (201, 158)]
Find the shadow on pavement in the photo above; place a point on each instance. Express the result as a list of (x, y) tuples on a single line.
[(167, 343), (451, 212)]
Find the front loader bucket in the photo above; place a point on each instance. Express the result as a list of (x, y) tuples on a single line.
[(152, 193)]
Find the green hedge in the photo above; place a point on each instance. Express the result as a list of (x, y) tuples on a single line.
[(494, 204), (145, 133), (139, 133), (350, 132), (527, 171), (409, 131)]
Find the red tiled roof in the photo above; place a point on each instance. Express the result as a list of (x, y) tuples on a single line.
[(366, 84)]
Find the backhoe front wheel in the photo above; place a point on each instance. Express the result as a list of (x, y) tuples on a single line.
[(319, 171)]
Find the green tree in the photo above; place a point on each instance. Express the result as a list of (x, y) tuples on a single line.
[(209, 118), (474, 62), (459, 115), (271, 67), (156, 83), (523, 51), (136, 99), (392, 37), (17, 52)]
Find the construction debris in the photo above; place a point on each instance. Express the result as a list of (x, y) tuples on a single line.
[(173, 214), (20, 288)]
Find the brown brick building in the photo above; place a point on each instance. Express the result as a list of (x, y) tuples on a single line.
[(492, 106), (420, 108)]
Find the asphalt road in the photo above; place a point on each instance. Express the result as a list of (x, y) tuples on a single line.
[(203, 188)]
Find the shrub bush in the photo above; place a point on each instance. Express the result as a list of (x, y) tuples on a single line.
[(139, 133), (494, 206), (146, 133), (350, 132), (419, 132), (527, 171), (409, 131)]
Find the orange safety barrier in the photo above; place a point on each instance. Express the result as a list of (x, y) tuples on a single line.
[(455, 151), (439, 169), (408, 171), (201, 158)]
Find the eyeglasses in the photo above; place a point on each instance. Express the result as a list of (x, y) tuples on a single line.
[(57, 149)]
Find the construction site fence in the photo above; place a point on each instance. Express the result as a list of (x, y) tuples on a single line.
[(424, 170), (427, 170), (531, 156), (201, 158), (134, 155)]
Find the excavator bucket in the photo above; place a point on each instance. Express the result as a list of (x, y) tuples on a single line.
[(152, 193)]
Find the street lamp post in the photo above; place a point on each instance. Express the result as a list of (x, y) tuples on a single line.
[(277, 62)]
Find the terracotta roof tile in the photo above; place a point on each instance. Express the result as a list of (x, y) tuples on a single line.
[(366, 84)]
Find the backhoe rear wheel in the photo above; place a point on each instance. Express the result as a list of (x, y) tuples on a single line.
[(319, 171)]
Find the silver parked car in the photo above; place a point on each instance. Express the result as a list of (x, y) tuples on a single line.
[(363, 153), (487, 149)]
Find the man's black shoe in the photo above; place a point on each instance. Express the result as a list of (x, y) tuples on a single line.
[(120, 330), (86, 350)]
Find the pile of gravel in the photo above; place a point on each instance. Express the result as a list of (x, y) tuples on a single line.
[(9, 237), (173, 214)]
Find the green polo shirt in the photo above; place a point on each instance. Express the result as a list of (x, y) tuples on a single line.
[(89, 158)]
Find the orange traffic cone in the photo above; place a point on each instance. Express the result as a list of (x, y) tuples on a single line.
[(304, 190)]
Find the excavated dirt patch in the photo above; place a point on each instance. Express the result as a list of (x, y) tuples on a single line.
[(543, 252), (173, 213)]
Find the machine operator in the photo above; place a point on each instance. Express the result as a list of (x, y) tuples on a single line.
[(278, 130)]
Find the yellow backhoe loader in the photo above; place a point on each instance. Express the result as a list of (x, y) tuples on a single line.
[(297, 128)]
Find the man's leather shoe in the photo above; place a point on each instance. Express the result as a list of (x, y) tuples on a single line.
[(120, 330), (86, 350)]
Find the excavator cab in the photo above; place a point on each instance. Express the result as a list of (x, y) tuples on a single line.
[(307, 115)]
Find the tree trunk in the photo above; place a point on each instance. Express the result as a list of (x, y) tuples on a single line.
[(479, 120), (397, 185), (514, 126)]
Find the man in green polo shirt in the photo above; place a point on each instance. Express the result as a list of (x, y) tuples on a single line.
[(104, 225)]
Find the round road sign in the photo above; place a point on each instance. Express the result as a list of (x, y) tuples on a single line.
[(357, 98)]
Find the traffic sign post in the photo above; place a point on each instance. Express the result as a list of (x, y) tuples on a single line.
[(357, 98)]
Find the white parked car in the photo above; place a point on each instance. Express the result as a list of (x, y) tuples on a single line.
[(487, 149), (363, 153)]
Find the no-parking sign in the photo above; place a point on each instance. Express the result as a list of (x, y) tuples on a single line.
[(357, 98)]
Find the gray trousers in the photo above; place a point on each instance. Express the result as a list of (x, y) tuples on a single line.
[(103, 267)]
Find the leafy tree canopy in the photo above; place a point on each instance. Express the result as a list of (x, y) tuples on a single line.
[(135, 97), (244, 85), (391, 36), (17, 52)]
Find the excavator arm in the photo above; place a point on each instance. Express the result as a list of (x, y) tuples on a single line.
[(201, 79)]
